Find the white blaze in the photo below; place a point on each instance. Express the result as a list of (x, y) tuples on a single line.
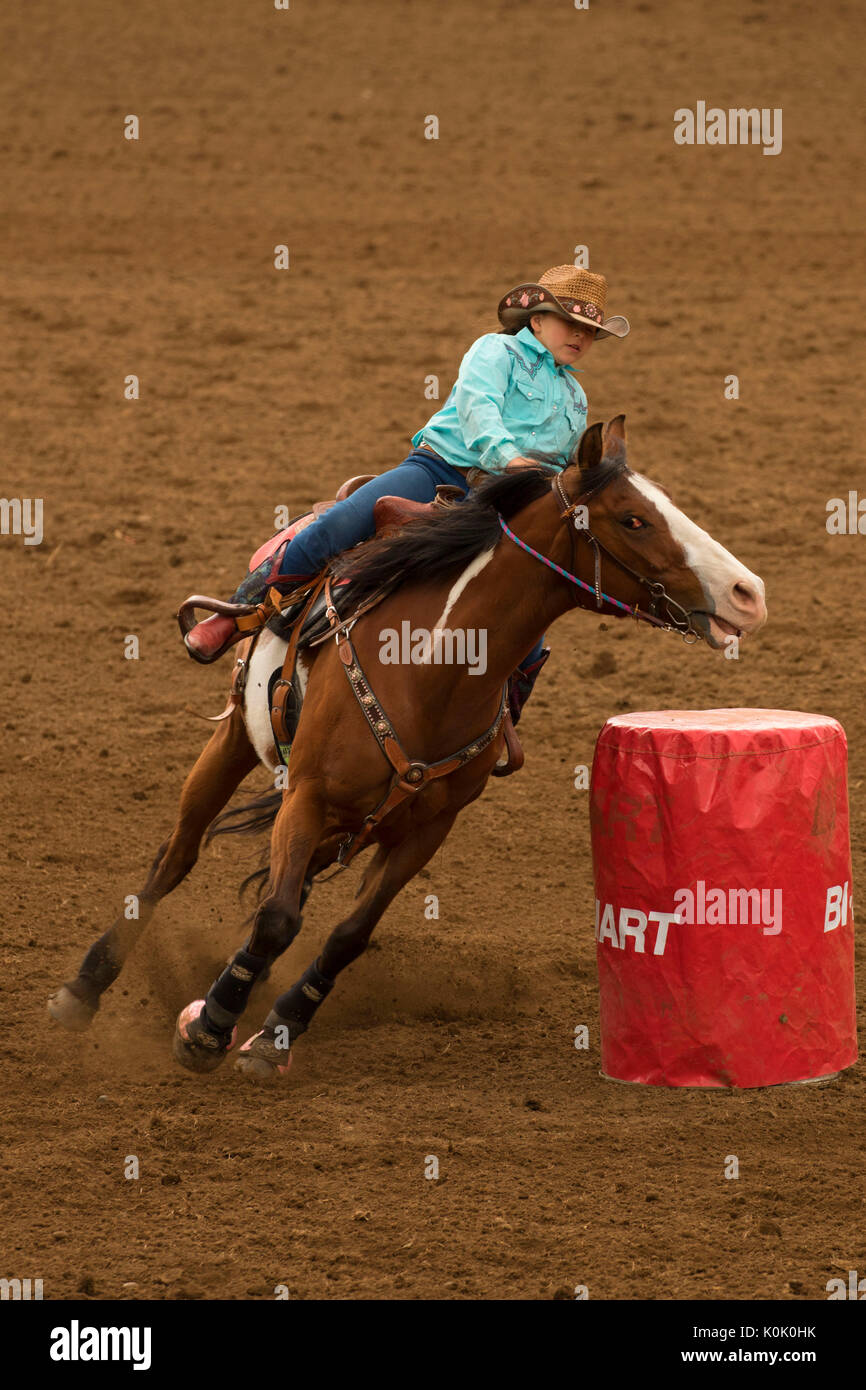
[(716, 568)]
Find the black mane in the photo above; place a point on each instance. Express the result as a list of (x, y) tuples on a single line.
[(446, 540)]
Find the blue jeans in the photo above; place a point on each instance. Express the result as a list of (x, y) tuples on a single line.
[(351, 521)]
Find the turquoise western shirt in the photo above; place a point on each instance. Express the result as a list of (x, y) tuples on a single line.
[(510, 397)]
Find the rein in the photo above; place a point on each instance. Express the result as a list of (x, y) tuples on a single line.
[(675, 618)]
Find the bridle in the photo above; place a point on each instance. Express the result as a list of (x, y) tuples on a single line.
[(661, 611)]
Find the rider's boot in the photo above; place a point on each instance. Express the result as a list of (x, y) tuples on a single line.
[(521, 683), (213, 636)]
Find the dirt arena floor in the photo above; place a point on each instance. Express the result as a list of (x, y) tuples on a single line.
[(259, 388)]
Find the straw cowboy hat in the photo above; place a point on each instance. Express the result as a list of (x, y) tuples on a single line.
[(574, 294)]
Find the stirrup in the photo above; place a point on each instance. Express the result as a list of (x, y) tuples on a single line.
[(248, 617), (187, 619)]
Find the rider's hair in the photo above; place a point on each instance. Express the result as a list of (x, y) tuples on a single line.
[(485, 326), (524, 322)]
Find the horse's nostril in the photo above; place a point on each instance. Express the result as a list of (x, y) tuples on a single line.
[(745, 596)]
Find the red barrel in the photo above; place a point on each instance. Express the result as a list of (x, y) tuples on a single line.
[(724, 911)]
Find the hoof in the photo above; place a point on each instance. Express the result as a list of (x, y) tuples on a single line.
[(195, 1046), (66, 1008), (261, 1059)]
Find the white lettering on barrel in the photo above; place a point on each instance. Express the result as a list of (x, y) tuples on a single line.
[(836, 911), (607, 930), (664, 920), (632, 923), (626, 928)]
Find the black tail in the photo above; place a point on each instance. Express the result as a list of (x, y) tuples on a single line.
[(259, 877), (253, 818)]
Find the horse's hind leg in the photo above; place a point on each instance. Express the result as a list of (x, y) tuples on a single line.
[(268, 1054), (220, 768), (206, 1028)]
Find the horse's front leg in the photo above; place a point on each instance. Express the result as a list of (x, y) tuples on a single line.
[(206, 1028), (267, 1055)]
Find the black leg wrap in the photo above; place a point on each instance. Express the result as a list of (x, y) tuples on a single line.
[(295, 1009), (227, 997)]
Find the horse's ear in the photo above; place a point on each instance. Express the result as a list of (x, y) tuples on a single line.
[(589, 448), (613, 436)]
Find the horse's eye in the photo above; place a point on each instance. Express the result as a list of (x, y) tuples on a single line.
[(633, 523)]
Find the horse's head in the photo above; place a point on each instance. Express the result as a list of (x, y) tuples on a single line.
[(637, 524)]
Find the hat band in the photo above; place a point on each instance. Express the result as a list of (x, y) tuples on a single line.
[(527, 299), (587, 311)]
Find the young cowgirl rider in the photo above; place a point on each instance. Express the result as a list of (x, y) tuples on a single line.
[(516, 391)]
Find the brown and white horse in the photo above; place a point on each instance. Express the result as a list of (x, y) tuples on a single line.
[(513, 557)]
